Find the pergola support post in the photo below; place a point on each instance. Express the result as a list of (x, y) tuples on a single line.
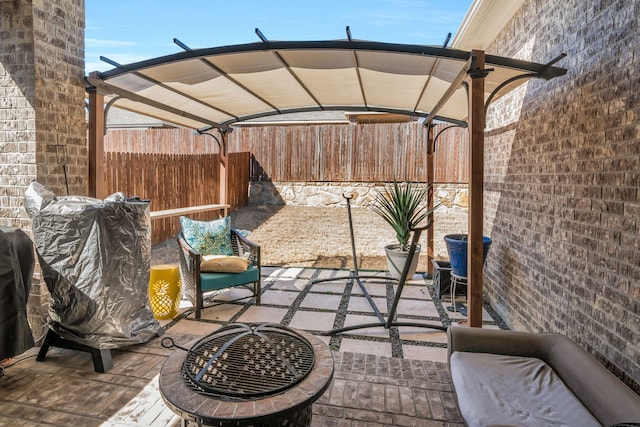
[(430, 201), (224, 170), (95, 148), (476, 188)]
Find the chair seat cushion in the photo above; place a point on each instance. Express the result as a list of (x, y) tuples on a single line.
[(215, 281)]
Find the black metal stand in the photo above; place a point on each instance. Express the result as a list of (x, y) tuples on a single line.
[(355, 275), (102, 361)]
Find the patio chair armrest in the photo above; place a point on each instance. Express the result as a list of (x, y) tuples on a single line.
[(186, 248), (243, 239), (242, 245), (189, 268)]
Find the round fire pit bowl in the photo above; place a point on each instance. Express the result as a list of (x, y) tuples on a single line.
[(247, 375)]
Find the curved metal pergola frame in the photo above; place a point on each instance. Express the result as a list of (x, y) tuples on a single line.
[(103, 80), (470, 69)]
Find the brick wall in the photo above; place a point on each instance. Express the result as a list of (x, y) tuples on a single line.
[(17, 115), (42, 119), (61, 130), (562, 180)]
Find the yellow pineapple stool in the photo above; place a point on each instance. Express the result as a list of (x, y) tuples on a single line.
[(164, 290)]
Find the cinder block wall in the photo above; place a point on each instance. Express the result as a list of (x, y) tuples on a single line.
[(562, 180), (41, 111)]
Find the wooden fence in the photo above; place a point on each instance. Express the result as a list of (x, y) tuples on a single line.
[(174, 168), (162, 140), (319, 152), (378, 152), (451, 155), (176, 180)]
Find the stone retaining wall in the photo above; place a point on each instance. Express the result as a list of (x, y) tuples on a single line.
[(451, 196)]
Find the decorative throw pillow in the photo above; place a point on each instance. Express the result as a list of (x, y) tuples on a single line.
[(208, 237), (223, 264)]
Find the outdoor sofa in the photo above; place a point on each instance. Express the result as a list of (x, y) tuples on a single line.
[(508, 378)]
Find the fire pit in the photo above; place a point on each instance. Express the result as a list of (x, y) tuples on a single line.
[(247, 375)]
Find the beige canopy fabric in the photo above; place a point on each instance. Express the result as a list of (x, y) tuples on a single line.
[(216, 87)]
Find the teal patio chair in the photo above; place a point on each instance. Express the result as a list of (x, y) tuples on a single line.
[(195, 283)]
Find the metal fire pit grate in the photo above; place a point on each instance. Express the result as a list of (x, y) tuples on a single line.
[(248, 361)]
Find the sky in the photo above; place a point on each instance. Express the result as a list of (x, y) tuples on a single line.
[(128, 31)]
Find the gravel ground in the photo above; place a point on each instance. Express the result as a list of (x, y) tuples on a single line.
[(304, 236)]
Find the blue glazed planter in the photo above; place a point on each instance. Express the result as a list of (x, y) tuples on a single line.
[(457, 248)]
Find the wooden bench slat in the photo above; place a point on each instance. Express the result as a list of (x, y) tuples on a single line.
[(191, 209)]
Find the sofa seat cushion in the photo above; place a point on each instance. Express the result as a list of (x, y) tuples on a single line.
[(215, 281), (505, 390)]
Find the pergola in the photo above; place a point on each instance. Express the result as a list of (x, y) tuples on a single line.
[(214, 88)]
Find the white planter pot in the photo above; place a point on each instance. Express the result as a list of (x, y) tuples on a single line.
[(397, 258)]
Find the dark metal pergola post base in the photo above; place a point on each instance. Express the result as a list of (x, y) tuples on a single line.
[(355, 273)]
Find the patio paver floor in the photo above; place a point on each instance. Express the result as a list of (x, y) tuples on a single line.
[(382, 377)]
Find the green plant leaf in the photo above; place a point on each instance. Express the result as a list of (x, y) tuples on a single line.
[(400, 205)]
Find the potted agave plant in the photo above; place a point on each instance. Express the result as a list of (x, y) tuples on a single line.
[(401, 206)]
